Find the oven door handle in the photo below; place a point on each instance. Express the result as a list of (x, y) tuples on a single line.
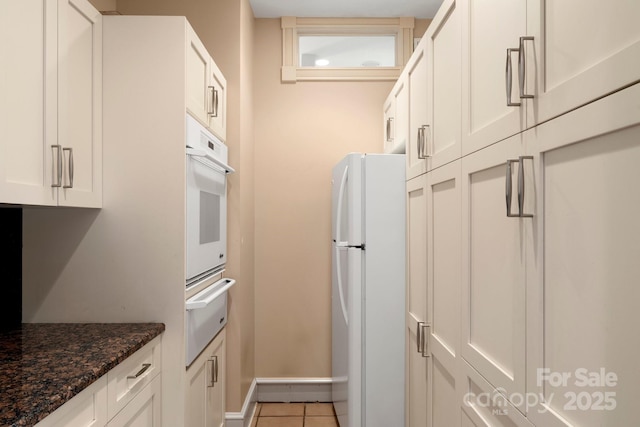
[(201, 299), (201, 153)]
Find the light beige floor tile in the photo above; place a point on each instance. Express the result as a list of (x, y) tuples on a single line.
[(319, 409), (280, 422), (282, 409), (320, 422)]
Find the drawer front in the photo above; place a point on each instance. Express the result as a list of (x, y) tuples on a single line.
[(87, 409), (127, 379)]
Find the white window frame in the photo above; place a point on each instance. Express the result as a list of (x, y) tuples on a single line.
[(292, 27)]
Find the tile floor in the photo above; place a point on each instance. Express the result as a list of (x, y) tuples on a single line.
[(295, 415)]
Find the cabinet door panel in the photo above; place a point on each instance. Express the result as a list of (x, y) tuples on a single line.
[(418, 109), (143, 411), (494, 263), (483, 405), (580, 52), (416, 300), (80, 102), (27, 30), (490, 27), (587, 294), (218, 89), (444, 143), (198, 94)]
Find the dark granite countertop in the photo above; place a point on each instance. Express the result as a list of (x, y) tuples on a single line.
[(43, 365)]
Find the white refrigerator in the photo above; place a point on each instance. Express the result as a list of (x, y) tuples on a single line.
[(368, 290)]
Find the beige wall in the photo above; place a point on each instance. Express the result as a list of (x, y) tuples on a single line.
[(301, 131), (226, 29)]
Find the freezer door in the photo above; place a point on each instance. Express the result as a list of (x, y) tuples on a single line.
[(346, 186), (347, 335)]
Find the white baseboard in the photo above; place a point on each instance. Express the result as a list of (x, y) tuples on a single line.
[(244, 417), (294, 389), (279, 390)]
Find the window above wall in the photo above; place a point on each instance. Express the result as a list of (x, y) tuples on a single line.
[(345, 48)]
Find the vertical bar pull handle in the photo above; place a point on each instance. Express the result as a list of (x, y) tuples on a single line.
[(70, 150), (214, 102), (215, 369), (521, 187), (425, 141), (522, 67), (419, 143), (419, 336), (56, 172), (425, 348), (212, 378), (509, 78), (508, 189)]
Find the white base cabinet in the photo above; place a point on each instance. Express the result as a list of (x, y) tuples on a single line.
[(205, 394), (51, 103), (128, 395)]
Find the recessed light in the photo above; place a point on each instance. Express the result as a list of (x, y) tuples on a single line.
[(322, 62)]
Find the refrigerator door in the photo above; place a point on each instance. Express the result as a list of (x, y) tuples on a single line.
[(347, 201), (346, 313)]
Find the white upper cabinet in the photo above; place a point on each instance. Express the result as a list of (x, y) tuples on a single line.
[(491, 28), (206, 87), (443, 139), (419, 110), (396, 117), (525, 62), (581, 50), (51, 108)]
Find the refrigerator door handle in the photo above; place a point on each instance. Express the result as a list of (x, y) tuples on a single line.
[(340, 292)]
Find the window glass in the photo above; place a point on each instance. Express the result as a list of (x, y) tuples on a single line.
[(346, 51)]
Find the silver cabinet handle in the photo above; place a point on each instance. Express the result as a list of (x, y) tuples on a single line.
[(144, 368), (509, 77), (425, 348), (522, 67), (425, 141), (58, 172), (70, 150), (214, 371), (422, 142), (508, 189), (214, 102), (389, 123), (419, 335), (521, 188)]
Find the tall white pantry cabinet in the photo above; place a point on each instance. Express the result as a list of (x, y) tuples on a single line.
[(522, 241)]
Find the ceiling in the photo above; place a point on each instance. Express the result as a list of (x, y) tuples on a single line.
[(345, 8)]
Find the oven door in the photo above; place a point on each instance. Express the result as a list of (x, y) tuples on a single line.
[(206, 215)]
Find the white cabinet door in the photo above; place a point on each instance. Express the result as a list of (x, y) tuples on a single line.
[(490, 28), (51, 108), (494, 261), (218, 87), (145, 410), (416, 301), (25, 27), (443, 142), (396, 117), (199, 95), (444, 254), (419, 116), (483, 405), (206, 87), (205, 393), (79, 103), (580, 52), (585, 310)]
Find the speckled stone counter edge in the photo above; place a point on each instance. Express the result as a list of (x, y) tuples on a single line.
[(43, 365)]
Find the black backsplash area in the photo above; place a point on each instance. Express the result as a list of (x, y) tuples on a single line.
[(10, 268)]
